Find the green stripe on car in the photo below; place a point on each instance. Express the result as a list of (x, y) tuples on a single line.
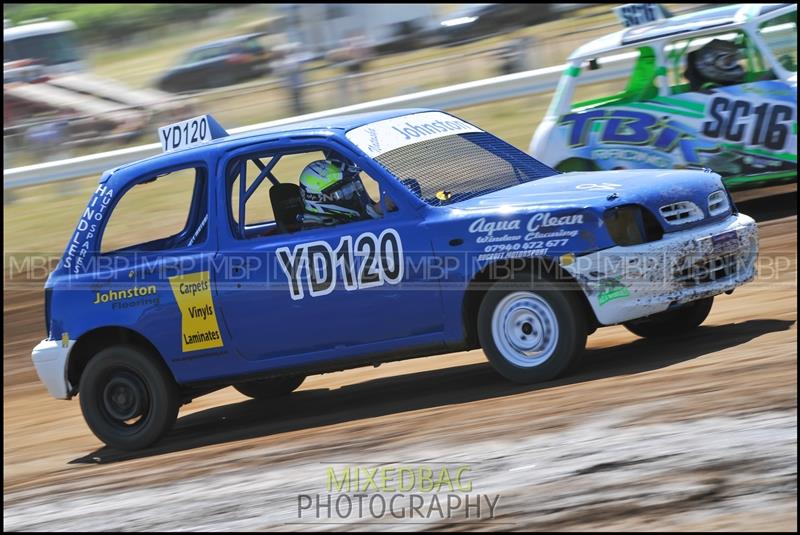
[(663, 109), (789, 157), (755, 179), (610, 294), (694, 106)]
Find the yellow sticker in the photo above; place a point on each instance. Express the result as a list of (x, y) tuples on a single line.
[(199, 327)]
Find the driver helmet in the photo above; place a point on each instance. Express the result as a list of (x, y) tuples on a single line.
[(718, 62), (333, 192)]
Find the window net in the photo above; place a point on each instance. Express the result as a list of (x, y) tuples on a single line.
[(455, 168)]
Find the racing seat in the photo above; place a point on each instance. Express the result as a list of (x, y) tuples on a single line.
[(287, 205)]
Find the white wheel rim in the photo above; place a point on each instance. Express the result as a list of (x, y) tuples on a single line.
[(525, 329)]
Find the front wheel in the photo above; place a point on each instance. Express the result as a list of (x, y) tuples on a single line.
[(129, 399), (270, 388), (530, 330), (672, 322)]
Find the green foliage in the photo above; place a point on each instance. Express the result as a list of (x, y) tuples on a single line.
[(108, 23)]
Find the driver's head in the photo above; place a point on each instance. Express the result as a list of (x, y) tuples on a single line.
[(333, 190), (717, 62)]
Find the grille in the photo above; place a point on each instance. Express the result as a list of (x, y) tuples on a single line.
[(681, 212), (450, 169), (718, 203), (708, 270)]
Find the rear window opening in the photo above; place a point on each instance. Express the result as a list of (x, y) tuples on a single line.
[(168, 210)]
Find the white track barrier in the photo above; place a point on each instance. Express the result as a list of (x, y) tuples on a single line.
[(455, 96)]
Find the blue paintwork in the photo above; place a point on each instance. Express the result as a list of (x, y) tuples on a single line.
[(262, 327)]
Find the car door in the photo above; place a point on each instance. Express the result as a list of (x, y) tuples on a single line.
[(161, 287), (742, 127), (327, 291), (187, 75), (204, 68)]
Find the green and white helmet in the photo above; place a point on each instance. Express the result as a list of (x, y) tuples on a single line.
[(332, 189)]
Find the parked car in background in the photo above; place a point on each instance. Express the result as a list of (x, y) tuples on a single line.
[(389, 28), (476, 21), (218, 64)]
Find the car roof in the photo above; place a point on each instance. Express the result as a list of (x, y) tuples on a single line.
[(466, 9), (227, 41), (322, 127), (37, 28), (731, 16)]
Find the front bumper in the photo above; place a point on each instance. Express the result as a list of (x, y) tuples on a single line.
[(628, 282), (50, 359)]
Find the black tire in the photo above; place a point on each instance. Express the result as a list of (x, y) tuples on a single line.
[(270, 388), (124, 381), (564, 349), (673, 322)]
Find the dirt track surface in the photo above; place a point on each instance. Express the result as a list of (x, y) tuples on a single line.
[(693, 433)]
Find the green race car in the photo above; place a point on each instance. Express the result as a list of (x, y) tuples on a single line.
[(712, 89)]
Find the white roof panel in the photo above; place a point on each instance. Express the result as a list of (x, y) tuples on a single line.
[(38, 28), (699, 21)]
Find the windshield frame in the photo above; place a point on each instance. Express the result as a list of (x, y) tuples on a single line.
[(767, 47), (489, 151)]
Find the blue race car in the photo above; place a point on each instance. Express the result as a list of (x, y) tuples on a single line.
[(358, 240)]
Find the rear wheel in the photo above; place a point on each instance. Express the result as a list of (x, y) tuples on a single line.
[(270, 388), (128, 398), (530, 330), (672, 322)]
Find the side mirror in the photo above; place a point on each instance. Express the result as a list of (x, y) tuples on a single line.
[(593, 65)]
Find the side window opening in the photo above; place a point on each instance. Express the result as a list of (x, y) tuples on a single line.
[(273, 201), (252, 46), (780, 35), (169, 210), (256, 211), (640, 86), (712, 61)]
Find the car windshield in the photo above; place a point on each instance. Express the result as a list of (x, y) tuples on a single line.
[(49, 49), (444, 160), (780, 34)]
